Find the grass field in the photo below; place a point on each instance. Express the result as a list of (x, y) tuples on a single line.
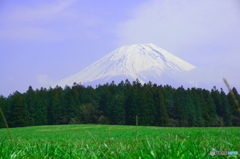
[(110, 141)]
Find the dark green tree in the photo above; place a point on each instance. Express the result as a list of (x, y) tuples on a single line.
[(163, 119), (226, 109), (210, 108), (179, 102), (18, 112), (55, 109), (42, 103), (118, 112), (191, 109), (144, 112), (218, 103), (30, 106), (197, 101), (234, 99), (132, 107), (150, 109), (88, 113)]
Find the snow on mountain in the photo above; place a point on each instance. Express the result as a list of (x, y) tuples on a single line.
[(147, 62)]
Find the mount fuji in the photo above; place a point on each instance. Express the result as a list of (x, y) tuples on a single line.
[(145, 62)]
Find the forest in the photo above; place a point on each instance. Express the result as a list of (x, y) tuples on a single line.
[(125, 103)]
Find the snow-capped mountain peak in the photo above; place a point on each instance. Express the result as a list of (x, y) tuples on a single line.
[(147, 62)]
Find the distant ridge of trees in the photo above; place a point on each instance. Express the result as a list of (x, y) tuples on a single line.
[(120, 104)]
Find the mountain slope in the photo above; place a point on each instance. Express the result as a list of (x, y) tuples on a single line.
[(147, 62)]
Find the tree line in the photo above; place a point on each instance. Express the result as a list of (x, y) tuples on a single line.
[(124, 103)]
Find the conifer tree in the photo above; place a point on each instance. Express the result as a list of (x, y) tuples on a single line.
[(132, 107), (162, 112), (234, 101), (198, 117), (42, 102), (88, 111), (226, 110), (211, 108), (105, 103), (56, 106), (142, 105), (217, 102), (18, 112), (179, 101), (30, 106), (118, 112), (191, 109), (161, 118), (150, 111)]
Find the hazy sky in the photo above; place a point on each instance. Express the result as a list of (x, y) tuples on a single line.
[(42, 42)]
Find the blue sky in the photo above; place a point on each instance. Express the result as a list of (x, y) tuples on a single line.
[(42, 42)]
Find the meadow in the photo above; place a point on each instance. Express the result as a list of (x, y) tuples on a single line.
[(114, 141)]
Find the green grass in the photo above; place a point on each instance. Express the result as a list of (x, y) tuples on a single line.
[(110, 141)]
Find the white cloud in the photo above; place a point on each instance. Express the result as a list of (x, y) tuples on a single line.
[(201, 32), (40, 13), (207, 27), (44, 79), (43, 21)]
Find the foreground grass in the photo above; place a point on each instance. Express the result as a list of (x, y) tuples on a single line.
[(109, 141)]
